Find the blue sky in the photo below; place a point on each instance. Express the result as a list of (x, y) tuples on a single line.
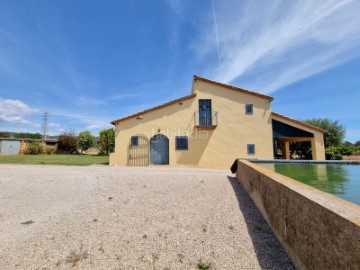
[(90, 62)]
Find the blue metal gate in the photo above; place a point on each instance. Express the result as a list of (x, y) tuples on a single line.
[(159, 150)]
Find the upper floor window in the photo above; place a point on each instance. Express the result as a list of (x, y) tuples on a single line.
[(182, 143), (249, 109), (205, 114), (134, 140), (251, 149)]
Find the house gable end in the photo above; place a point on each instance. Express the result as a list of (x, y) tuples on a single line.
[(228, 87), (140, 114)]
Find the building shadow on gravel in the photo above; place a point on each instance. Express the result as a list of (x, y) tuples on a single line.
[(268, 250)]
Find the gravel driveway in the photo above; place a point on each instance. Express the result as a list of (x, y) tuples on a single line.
[(99, 217)]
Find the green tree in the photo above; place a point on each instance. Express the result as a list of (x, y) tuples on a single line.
[(27, 135), (346, 149), (357, 147), (107, 140), (85, 140), (335, 134)]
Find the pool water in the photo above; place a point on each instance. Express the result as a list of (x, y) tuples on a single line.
[(341, 180)]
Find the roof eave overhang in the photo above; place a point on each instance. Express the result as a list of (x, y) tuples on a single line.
[(227, 86), (299, 122), (153, 109)]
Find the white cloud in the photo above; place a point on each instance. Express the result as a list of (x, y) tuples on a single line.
[(98, 126), (89, 101), (175, 5), (85, 101), (124, 96), (53, 125), (274, 43), (15, 111), (83, 120)]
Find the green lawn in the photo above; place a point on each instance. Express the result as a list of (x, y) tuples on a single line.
[(82, 160)]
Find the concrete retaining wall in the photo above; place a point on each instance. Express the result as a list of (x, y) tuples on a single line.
[(316, 229)]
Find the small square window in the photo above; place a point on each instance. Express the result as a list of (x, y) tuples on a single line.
[(182, 143), (251, 149), (134, 140), (249, 109)]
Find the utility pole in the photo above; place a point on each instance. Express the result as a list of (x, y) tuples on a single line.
[(44, 126)]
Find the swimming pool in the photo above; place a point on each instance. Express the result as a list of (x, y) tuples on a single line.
[(341, 180)]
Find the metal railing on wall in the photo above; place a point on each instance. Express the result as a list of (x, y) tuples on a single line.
[(206, 118), (138, 155)]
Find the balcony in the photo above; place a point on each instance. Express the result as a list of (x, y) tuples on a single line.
[(206, 119)]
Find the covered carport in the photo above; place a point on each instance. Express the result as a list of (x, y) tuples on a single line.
[(287, 131)]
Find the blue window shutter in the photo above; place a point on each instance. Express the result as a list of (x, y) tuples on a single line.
[(181, 143), (251, 149), (249, 109), (134, 140)]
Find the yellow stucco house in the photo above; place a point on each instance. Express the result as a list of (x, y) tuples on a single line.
[(211, 127)]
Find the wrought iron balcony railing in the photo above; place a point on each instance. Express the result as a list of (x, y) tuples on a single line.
[(206, 119)]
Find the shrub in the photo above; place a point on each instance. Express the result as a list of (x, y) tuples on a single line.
[(67, 143), (333, 153), (50, 150), (204, 265), (329, 156), (33, 148), (4, 134)]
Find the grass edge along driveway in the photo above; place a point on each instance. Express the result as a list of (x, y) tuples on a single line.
[(77, 160)]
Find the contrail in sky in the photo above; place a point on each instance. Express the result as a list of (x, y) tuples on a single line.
[(216, 30)]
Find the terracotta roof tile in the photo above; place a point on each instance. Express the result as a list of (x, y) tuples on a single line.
[(154, 108), (196, 77)]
